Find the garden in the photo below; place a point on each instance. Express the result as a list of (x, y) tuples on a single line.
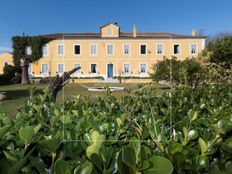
[(186, 128)]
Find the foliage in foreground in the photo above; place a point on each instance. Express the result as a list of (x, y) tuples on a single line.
[(183, 131)]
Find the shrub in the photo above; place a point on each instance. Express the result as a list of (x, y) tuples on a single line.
[(180, 72)]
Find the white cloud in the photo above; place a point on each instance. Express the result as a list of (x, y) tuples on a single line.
[(5, 49)]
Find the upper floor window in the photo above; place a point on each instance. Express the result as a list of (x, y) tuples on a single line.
[(60, 49), (110, 49), (77, 49), (45, 50), (160, 49), (193, 49), (28, 50), (176, 49), (60, 68), (143, 68), (44, 68), (126, 49), (143, 49), (110, 32), (126, 68), (93, 49)]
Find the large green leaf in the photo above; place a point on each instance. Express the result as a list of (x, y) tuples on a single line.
[(85, 168), (129, 156), (26, 134), (203, 146), (97, 141), (61, 167), (159, 165), (124, 168)]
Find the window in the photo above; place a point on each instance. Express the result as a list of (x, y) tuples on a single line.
[(126, 68), (110, 49), (60, 68), (143, 68), (28, 50), (45, 50), (77, 49), (159, 49), (44, 69), (110, 32), (176, 49), (93, 49), (93, 68), (75, 65), (143, 49), (193, 49), (30, 68), (126, 49), (60, 50)]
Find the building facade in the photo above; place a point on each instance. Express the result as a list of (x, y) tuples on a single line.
[(111, 53), (5, 59)]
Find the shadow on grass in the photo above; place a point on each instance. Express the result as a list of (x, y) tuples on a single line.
[(21, 93)]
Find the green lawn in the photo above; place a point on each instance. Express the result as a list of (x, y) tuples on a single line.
[(18, 94)]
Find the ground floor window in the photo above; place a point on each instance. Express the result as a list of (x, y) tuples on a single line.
[(60, 68), (75, 65), (93, 68), (143, 68), (126, 68), (44, 69)]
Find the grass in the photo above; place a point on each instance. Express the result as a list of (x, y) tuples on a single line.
[(18, 94)]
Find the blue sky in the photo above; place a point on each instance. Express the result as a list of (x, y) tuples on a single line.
[(36, 17)]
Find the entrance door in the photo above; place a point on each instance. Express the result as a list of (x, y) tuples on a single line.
[(110, 70)]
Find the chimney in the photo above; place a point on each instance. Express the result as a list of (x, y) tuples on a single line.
[(134, 31), (193, 32)]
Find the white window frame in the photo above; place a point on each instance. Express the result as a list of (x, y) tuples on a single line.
[(123, 49), (190, 49), (90, 68), (107, 49), (46, 45), (57, 68), (90, 46), (78, 72), (157, 49), (140, 49), (74, 49), (46, 73), (146, 70), (174, 49), (58, 49), (127, 73), (110, 32), (28, 50)]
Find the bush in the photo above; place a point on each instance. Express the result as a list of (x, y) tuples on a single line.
[(141, 133), (11, 75), (176, 71)]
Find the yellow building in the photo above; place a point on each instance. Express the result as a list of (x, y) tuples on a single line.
[(111, 53), (5, 59)]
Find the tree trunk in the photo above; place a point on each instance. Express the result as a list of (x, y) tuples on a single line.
[(25, 75), (60, 82)]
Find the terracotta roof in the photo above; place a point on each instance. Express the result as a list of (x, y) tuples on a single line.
[(151, 35)]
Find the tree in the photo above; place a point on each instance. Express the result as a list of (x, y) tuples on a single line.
[(220, 50), (20, 43)]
